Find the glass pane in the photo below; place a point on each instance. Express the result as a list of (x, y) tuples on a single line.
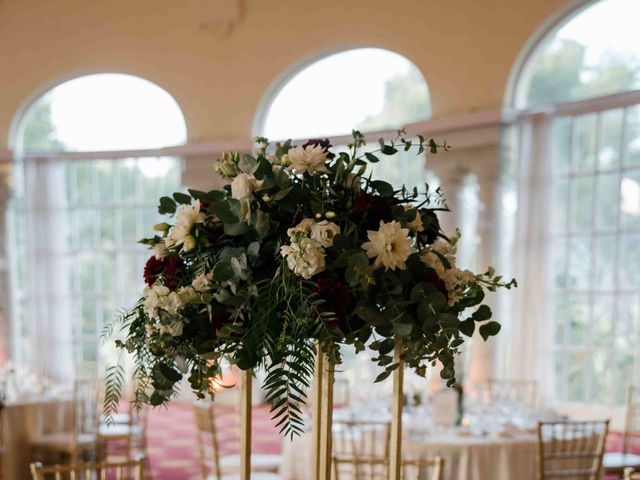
[(559, 263), (630, 200), (632, 136), (128, 181), (602, 380), (85, 227), (578, 317), (85, 192), (624, 372), (584, 142), (559, 319), (396, 94), (560, 211), (604, 247), (629, 262), (108, 228), (628, 321), (611, 122), (104, 171), (603, 320), (606, 207), (582, 202), (129, 228), (559, 376), (575, 377), (578, 277), (561, 145)]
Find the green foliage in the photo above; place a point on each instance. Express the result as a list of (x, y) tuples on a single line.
[(259, 273)]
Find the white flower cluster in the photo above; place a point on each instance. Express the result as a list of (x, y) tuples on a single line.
[(390, 245), (455, 279), (159, 298), (180, 234), (306, 254)]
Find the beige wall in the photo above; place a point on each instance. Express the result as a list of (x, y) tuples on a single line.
[(219, 57)]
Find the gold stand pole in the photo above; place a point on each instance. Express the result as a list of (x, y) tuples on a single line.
[(317, 412), (326, 419), (245, 425), (395, 450)]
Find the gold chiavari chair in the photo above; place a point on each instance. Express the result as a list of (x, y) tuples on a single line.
[(630, 475), (215, 466), (377, 469), (523, 392), (129, 437), (76, 430), (363, 441), (123, 470), (571, 449), (616, 462)]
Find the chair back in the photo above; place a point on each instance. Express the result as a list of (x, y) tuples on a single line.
[(363, 441), (126, 470), (523, 392), (86, 406), (632, 421), (571, 450), (629, 475), (208, 441), (349, 468)]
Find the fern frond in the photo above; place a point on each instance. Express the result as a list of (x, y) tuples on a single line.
[(113, 391)]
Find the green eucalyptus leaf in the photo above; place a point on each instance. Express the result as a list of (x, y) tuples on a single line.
[(182, 198), (489, 329), (483, 313)]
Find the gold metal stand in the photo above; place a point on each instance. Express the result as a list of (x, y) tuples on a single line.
[(245, 425), (395, 448)]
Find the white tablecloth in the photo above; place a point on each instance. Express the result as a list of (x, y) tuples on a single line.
[(21, 420), (465, 457)]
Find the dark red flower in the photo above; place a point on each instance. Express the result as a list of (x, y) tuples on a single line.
[(152, 269), (337, 299), (372, 209), (322, 142), (168, 267), (172, 272), (219, 319)]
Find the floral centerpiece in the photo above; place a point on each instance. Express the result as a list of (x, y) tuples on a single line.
[(301, 246)]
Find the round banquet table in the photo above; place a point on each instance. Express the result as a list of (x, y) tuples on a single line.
[(465, 457), (21, 420)]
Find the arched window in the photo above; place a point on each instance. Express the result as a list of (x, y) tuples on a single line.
[(576, 206), (76, 217), (369, 89)]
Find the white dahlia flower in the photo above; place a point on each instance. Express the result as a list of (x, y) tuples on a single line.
[(390, 245)]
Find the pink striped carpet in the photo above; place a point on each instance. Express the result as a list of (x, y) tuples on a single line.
[(173, 450)]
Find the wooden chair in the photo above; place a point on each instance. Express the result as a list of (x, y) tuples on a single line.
[(629, 475), (378, 469), (76, 431), (523, 392), (571, 449), (616, 462), (125, 470), (359, 445), (215, 466), (130, 437)]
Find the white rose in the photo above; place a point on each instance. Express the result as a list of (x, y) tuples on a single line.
[(243, 185), (323, 232), (311, 159)]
